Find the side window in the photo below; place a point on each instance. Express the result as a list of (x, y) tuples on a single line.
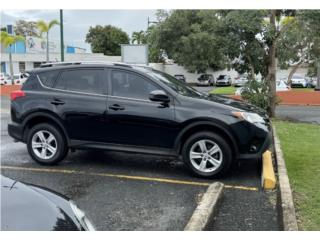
[(48, 78), (82, 80), (130, 85)]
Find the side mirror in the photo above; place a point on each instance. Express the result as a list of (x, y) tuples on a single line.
[(159, 96)]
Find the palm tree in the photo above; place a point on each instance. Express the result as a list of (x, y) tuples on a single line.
[(45, 28), (8, 40), (138, 37)]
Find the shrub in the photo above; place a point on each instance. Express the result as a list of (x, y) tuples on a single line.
[(256, 93)]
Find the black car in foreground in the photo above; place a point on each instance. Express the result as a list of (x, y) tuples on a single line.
[(26, 207), (136, 109)]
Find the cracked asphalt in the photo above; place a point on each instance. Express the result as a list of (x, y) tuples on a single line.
[(126, 191)]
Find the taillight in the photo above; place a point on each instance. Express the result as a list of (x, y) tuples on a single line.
[(17, 94)]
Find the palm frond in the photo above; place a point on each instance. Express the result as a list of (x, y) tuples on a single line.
[(42, 26), (52, 23)]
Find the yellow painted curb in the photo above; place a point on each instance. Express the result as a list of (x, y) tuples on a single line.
[(268, 176)]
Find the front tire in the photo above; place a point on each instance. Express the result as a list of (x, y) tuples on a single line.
[(207, 154), (46, 144)]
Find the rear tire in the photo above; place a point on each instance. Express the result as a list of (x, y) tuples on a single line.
[(46, 144), (207, 154)]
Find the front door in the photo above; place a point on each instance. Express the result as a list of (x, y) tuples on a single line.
[(132, 118)]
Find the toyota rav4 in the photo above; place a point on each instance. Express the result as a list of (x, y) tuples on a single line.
[(135, 109)]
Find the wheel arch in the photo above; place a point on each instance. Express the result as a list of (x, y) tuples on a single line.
[(205, 126), (43, 117)]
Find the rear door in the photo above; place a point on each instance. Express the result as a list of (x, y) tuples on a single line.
[(80, 100)]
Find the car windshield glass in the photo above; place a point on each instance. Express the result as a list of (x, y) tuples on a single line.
[(175, 84), (297, 77), (221, 77)]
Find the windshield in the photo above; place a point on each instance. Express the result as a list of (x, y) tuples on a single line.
[(174, 84), (221, 77)]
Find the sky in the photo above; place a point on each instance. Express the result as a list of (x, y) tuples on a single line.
[(77, 22)]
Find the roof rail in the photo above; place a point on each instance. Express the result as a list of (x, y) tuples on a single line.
[(53, 64)]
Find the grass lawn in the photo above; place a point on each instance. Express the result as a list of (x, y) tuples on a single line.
[(300, 143), (223, 90)]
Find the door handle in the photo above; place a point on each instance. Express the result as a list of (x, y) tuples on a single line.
[(57, 102), (116, 107)]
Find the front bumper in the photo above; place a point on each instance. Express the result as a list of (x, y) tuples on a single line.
[(222, 83), (203, 83), (15, 131), (257, 155)]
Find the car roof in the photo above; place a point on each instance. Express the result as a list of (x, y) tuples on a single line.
[(71, 65)]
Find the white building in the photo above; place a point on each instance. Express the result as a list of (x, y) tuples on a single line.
[(26, 61)]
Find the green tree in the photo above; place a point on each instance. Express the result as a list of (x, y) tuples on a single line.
[(8, 40), (183, 39), (106, 39), (45, 28), (26, 28), (300, 44), (138, 37)]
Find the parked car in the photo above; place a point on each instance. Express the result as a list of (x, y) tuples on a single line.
[(240, 80), (280, 87), (19, 78), (223, 80), (298, 81), (27, 207), (134, 109), (205, 80), (180, 77), (5, 79), (311, 82)]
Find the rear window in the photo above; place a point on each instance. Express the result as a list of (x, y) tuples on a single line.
[(48, 78), (82, 80)]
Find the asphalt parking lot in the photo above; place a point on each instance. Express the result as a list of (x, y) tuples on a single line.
[(122, 191)]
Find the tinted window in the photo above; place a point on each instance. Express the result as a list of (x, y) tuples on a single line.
[(130, 85), (176, 85), (82, 80), (48, 78)]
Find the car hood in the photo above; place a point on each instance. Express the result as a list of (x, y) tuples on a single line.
[(237, 104), (23, 208)]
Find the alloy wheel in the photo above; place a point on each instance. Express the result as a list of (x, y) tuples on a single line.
[(206, 155), (44, 144)]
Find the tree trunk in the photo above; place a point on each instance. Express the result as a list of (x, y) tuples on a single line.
[(10, 63), (272, 69), (47, 47), (293, 71), (317, 88)]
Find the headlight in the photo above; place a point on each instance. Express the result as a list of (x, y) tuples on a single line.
[(250, 117), (80, 215)]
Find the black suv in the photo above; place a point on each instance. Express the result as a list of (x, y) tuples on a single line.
[(135, 109)]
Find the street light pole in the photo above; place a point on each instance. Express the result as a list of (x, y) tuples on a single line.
[(61, 36)]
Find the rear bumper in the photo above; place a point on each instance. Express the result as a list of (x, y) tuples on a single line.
[(15, 131)]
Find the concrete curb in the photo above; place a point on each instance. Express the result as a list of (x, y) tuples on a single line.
[(203, 215), (287, 211)]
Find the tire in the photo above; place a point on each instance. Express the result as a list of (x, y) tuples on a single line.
[(222, 156), (43, 151)]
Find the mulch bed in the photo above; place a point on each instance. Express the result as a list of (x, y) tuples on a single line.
[(5, 90), (296, 98)]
